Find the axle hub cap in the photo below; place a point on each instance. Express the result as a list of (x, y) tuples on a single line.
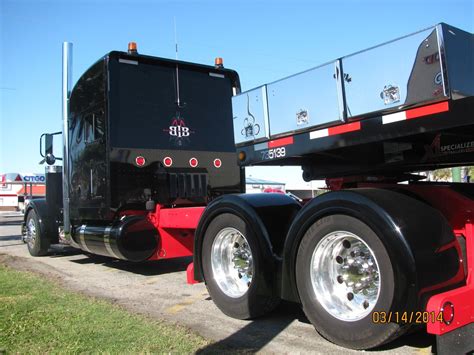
[(31, 233), (232, 263), (345, 276)]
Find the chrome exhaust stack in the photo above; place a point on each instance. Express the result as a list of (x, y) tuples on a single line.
[(66, 93)]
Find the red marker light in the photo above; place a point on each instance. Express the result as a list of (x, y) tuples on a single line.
[(167, 162), (193, 162), (448, 313), (140, 161), (217, 163)]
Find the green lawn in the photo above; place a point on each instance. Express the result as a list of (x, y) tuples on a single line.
[(37, 316)]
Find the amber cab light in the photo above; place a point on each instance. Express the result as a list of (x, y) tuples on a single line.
[(132, 48), (219, 62)]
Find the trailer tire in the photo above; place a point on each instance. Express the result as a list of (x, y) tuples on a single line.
[(237, 292), (37, 241), (351, 246)]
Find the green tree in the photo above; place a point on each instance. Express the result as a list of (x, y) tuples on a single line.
[(442, 175), (446, 174)]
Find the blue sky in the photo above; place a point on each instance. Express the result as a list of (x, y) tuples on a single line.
[(263, 40)]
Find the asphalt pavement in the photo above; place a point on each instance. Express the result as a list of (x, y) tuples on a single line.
[(159, 290)]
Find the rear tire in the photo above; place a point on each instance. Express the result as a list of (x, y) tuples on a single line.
[(344, 274), (38, 243), (234, 269)]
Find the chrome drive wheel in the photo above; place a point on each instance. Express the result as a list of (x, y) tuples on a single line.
[(237, 276), (232, 264), (345, 276)]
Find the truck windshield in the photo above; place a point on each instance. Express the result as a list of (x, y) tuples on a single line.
[(143, 110)]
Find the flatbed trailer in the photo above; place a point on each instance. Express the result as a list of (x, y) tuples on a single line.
[(371, 124), (380, 254)]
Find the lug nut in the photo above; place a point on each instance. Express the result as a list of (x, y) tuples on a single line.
[(339, 259), (346, 244), (340, 279), (366, 304), (350, 296)]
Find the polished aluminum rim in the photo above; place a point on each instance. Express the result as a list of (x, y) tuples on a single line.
[(31, 233), (232, 263), (345, 276)]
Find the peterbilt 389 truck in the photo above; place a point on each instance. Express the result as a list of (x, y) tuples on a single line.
[(154, 151)]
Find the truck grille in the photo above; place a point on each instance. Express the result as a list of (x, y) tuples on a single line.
[(187, 185)]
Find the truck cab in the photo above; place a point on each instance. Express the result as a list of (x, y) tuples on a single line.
[(142, 135), (131, 141)]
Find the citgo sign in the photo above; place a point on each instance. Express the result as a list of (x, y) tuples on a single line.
[(34, 178)]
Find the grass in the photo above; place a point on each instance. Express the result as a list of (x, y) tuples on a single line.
[(37, 316)]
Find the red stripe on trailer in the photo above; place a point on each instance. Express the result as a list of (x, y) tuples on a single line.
[(349, 127), (280, 142), (427, 110), (332, 131), (416, 112)]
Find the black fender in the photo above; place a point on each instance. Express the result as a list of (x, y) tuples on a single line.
[(269, 215), (411, 231), (48, 218)]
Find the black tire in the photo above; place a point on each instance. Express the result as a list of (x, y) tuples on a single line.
[(356, 334), (257, 300), (39, 246)]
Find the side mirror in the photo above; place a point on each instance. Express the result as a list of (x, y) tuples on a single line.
[(48, 155)]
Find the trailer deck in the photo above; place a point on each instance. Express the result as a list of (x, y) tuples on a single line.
[(394, 108)]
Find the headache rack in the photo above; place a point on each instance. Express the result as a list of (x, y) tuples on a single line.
[(321, 115)]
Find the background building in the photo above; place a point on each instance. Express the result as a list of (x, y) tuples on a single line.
[(15, 188)]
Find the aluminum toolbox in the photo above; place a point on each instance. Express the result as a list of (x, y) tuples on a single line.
[(431, 65)]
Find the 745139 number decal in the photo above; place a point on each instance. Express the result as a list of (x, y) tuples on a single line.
[(273, 153)]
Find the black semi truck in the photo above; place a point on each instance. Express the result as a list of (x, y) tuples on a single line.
[(154, 151)]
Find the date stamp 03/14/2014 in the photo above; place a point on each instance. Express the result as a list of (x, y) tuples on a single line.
[(407, 317)]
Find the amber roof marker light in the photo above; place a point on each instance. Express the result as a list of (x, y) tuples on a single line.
[(219, 63), (132, 48)]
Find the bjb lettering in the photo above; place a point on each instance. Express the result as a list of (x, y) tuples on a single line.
[(179, 131)]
